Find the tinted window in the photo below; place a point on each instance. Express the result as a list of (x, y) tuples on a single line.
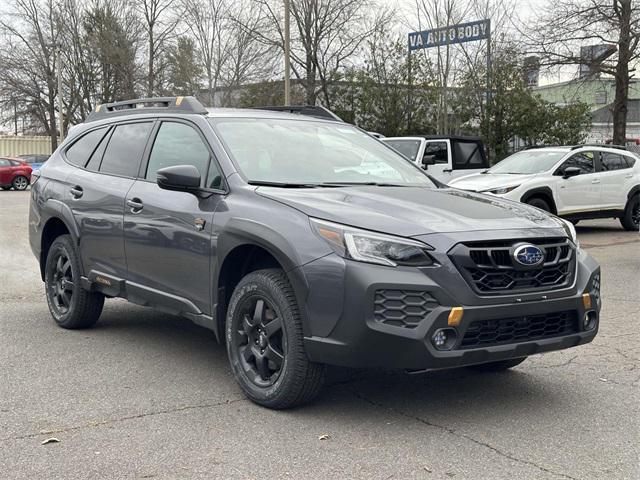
[(630, 161), (4, 163), (468, 155), (125, 148), (612, 161), (582, 160), (15, 163), (180, 144), (79, 153), (437, 151)]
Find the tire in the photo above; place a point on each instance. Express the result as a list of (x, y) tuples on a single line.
[(20, 183), (6, 188), (497, 366), (265, 342), (630, 220), (70, 305), (539, 203)]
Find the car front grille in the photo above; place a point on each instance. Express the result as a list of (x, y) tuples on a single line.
[(402, 308), (485, 333), (489, 267)]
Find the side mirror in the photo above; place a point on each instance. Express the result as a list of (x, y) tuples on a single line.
[(570, 172), (182, 178), (428, 160)]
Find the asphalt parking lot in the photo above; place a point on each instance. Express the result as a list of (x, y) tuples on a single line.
[(148, 395)]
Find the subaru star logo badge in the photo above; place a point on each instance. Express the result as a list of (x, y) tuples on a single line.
[(528, 255)]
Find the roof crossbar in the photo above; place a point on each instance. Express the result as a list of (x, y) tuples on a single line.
[(148, 105)]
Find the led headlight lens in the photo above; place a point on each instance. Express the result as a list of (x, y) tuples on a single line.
[(501, 190), (371, 247), (571, 231)]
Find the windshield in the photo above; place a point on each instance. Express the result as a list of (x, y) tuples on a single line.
[(529, 161), (409, 148), (297, 152)]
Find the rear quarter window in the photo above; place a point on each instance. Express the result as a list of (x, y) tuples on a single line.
[(79, 152)]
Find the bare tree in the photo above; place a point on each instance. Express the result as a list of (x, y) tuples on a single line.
[(159, 22), (29, 65), (325, 36), (205, 21), (610, 22)]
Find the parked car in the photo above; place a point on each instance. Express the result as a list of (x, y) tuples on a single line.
[(14, 173), (34, 160), (580, 182), (248, 223), (444, 158)]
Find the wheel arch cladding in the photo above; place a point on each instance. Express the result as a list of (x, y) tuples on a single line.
[(542, 192), (635, 190), (255, 248), (53, 228)]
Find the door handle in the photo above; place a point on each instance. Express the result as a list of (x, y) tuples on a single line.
[(595, 181), (629, 175), (76, 192), (135, 204), (447, 170)]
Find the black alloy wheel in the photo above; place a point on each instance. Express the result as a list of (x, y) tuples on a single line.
[(61, 286), (260, 341)]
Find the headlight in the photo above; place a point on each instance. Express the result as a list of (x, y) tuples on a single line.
[(371, 247), (501, 190), (571, 231)]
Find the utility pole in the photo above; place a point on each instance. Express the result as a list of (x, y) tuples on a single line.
[(15, 116), (59, 68), (287, 54)]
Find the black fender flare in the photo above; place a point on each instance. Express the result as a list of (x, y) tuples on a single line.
[(540, 191), (55, 209), (239, 232), (634, 191)]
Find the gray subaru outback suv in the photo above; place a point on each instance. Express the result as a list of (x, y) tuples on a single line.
[(301, 242)]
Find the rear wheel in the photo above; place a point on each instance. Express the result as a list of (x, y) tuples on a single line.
[(20, 182), (539, 203), (265, 342), (70, 305), (498, 366), (630, 220)]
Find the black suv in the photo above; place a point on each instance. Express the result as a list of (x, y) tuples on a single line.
[(301, 242)]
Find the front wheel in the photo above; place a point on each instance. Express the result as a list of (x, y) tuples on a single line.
[(265, 342), (630, 220), (498, 366), (539, 203), (20, 183), (70, 305)]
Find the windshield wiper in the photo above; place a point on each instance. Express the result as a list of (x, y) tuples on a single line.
[(358, 184), (261, 183), (485, 171)]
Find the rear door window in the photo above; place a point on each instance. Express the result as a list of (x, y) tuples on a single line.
[(612, 161), (79, 152), (124, 151)]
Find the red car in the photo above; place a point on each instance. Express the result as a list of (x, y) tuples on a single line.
[(14, 173)]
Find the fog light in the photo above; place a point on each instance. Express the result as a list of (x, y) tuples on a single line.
[(444, 338), (590, 320)]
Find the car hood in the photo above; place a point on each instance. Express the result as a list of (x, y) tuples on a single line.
[(412, 211), (484, 181)]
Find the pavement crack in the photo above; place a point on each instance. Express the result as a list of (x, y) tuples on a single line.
[(456, 433), (111, 421)]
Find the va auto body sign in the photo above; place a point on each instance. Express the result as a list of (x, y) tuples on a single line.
[(461, 33)]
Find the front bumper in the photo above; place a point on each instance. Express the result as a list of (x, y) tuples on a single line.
[(342, 327)]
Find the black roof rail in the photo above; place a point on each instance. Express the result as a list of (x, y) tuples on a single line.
[(147, 105), (532, 147), (600, 145), (308, 110)]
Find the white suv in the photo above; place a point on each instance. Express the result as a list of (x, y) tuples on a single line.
[(572, 182)]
